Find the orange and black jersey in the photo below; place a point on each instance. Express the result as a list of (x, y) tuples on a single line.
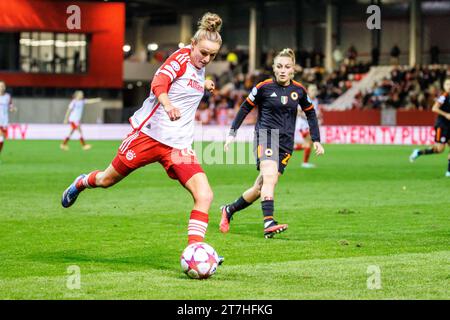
[(444, 101), (277, 109)]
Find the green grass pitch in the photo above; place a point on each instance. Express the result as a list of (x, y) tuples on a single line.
[(363, 206)]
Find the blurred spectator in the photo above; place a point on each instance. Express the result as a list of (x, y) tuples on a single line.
[(406, 88), (352, 55), (338, 57), (395, 55), (204, 114), (434, 54)]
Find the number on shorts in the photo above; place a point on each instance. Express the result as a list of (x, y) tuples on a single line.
[(286, 159)]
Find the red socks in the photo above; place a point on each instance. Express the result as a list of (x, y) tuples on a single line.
[(198, 222), (88, 181), (306, 155)]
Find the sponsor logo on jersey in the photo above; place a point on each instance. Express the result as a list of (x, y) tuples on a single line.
[(194, 84), (130, 155), (254, 91), (273, 94), (284, 99), (294, 95)]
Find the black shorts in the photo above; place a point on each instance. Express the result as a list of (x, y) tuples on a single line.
[(442, 134), (272, 150)]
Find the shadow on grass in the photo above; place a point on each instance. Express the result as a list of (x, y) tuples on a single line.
[(158, 262)]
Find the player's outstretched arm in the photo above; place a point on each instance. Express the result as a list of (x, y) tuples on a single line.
[(242, 113), (94, 100), (12, 108)]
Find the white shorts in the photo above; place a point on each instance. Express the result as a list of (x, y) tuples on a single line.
[(301, 124)]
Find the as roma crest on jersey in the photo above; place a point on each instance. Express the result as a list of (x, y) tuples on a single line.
[(294, 95), (284, 99)]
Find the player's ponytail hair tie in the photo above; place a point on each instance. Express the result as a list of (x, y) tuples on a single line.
[(208, 28)]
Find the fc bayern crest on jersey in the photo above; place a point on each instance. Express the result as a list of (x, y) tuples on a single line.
[(284, 99), (130, 155)]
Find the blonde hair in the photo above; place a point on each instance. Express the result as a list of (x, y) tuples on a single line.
[(208, 28), (77, 93), (287, 52)]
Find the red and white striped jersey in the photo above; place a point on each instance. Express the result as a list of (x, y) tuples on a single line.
[(186, 89)]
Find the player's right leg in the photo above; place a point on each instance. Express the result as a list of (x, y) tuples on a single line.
[(103, 179), (2, 138), (447, 174), (307, 146), (247, 198)]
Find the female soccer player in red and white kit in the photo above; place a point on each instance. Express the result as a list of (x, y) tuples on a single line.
[(303, 128), (73, 116), (163, 127), (5, 107)]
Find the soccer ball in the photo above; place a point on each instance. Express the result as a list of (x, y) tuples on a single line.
[(199, 260)]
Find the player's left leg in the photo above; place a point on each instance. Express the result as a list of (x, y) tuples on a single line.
[(270, 173), (64, 145), (84, 145), (202, 194)]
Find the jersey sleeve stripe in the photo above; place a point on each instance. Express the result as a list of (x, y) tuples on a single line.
[(167, 73), (184, 60), (298, 84), (250, 102), (170, 69), (309, 108), (259, 85)]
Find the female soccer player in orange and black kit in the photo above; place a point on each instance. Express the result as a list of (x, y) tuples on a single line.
[(442, 126), (277, 101)]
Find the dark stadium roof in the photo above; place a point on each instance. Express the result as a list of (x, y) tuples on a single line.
[(164, 12)]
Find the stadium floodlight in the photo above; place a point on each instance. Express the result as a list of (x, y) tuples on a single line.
[(126, 48), (152, 46)]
